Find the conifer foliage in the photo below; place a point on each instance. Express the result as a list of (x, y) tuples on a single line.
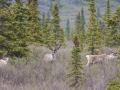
[(83, 20), (35, 24), (111, 26), (5, 18), (114, 33), (68, 29), (46, 31), (56, 37), (93, 34), (76, 75), (20, 29), (107, 29), (114, 85), (79, 29), (14, 31), (98, 14), (114, 23)]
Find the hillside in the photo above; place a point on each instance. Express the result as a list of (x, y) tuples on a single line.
[(69, 9)]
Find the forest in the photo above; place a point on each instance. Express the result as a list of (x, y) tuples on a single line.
[(47, 42)]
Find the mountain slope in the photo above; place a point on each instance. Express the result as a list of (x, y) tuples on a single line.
[(69, 9)]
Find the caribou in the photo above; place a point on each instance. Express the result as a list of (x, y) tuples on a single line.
[(51, 56), (4, 61), (92, 59)]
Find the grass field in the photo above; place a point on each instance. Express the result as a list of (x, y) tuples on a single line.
[(32, 73)]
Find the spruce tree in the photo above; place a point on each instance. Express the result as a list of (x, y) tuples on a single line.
[(76, 76), (107, 12), (43, 19), (114, 33), (21, 27), (107, 15), (79, 31), (35, 24), (56, 37), (68, 29), (59, 4), (46, 31), (77, 23), (72, 33), (4, 20), (107, 30), (98, 14), (5, 3), (83, 24), (93, 35), (114, 23), (29, 1), (14, 34), (83, 19), (112, 29)]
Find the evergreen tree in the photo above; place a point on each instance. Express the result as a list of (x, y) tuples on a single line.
[(46, 31), (93, 35), (14, 34), (98, 14), (4, 19), (76, 75), (72, 31), (68, 29), (106, 19), (4, 3), (35, 24), (29, 1), (59, 4), (107, 13), (83, 19), (48, 16), (79, 31), (43, 19), (101, 25), (56, 37), (21, 27), (114, 33), (81, 34), (83, 24), (77, 23), (111, 28), (114, 23)]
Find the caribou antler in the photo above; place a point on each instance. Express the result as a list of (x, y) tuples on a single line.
[(56, 47), (50, 47)]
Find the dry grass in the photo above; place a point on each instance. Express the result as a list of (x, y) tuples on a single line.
[(32, 73)]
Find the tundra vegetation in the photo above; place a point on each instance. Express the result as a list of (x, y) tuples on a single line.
[(28, 33)]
